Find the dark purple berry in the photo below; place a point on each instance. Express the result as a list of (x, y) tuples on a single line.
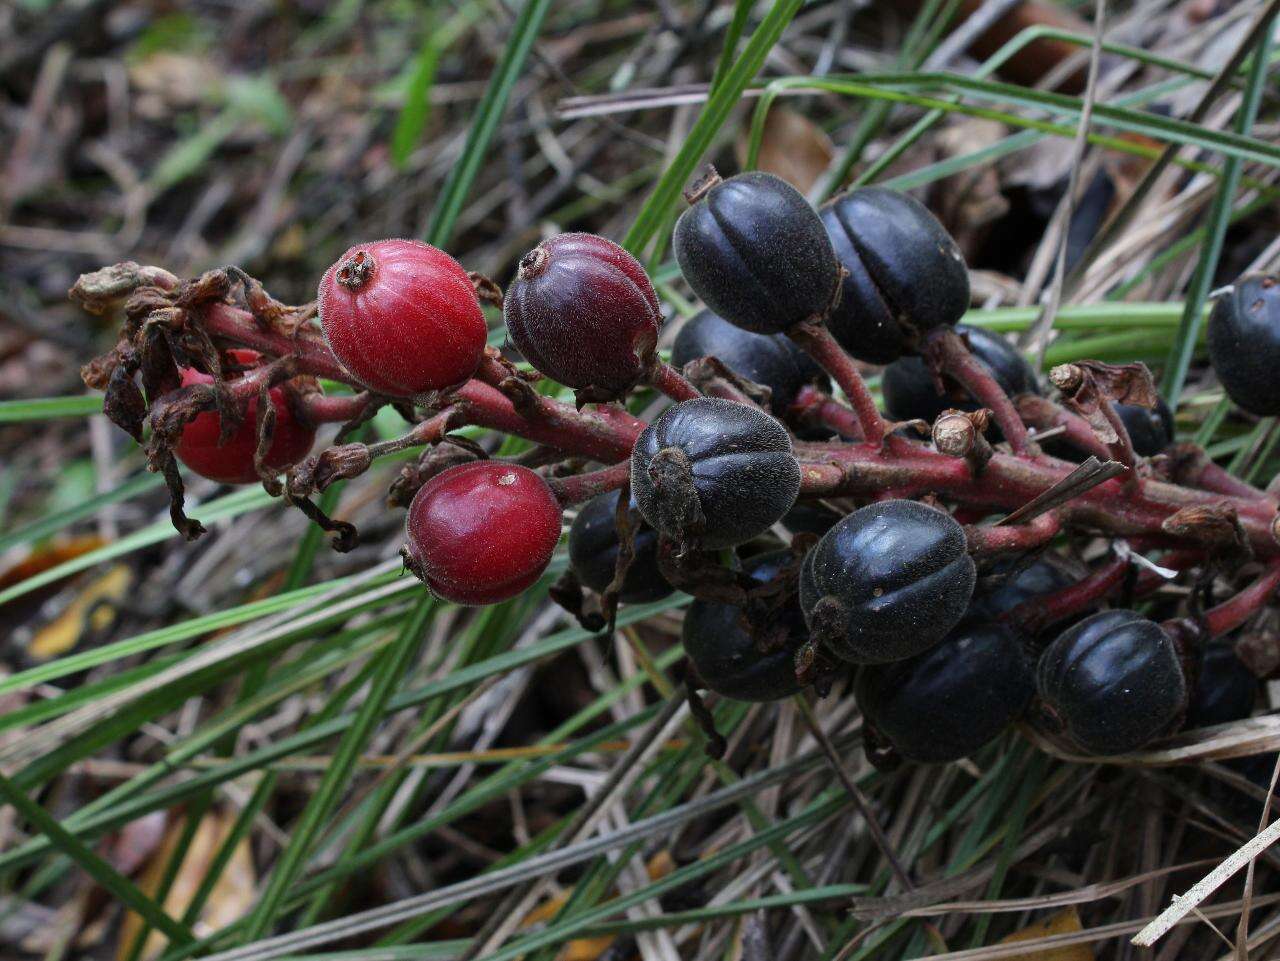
[(892, 579), (756, 253), (583, 312), (714, 472), (906, 273), (593, 553), (1112, 683), (728, 656), (951, 700), (1150, 430)]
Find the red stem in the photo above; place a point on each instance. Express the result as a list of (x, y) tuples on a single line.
[(1044, 415), (1015, 537), (338, 409), (1192, 466), (585, 433), (973, 375), (672, 383), (1038, 613), (582, 487), (817, 341), (814, 408), (222, 321), (1007, 482), (1229, 615)]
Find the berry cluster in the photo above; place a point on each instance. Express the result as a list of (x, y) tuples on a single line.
[(935, 556)]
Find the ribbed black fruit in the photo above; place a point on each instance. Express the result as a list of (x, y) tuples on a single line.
[(906, 274)]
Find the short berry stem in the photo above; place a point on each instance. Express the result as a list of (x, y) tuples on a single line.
[(1035, 615), (671, 382), (817, 341), (1229, 615), (582, 487), (955, 359), (338, 409), (224, 322), (813, 408)]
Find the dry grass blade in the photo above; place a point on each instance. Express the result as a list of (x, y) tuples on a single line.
[(1191, 901)]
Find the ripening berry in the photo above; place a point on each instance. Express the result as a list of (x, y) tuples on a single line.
[(232, 462), (583, 312), (483, 532), (402, 317), (1244, 343)]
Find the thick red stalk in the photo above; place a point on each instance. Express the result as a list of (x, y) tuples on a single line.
[(816, 409), (224, 322), (1015, 537), (606, 439), (582, 487), (1229, 615), (672, 383), (338, 409), (1007, 482)]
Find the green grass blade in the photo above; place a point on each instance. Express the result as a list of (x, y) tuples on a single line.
[(1179, 362), (391, 667), (97, 868), (714, 113), (489, 111), (48, 408)]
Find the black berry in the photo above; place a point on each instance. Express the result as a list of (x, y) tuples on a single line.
[(713, 472), (728, 656), (756, 253), (999, 592), (906, 274), (1225, 690), (1150, 430), (887, 582), (1244, 343), (1112, 683), (767, 359), (810, 518), (910, 391), (948, 702), (593, 553)]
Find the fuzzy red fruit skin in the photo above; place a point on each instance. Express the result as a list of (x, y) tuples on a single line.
[(410, 325), (482, 533), (583, 312), (232, 463)]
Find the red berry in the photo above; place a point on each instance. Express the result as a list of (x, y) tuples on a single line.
[(232, 463), (483, 532), (583, 312), (402, 317)]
